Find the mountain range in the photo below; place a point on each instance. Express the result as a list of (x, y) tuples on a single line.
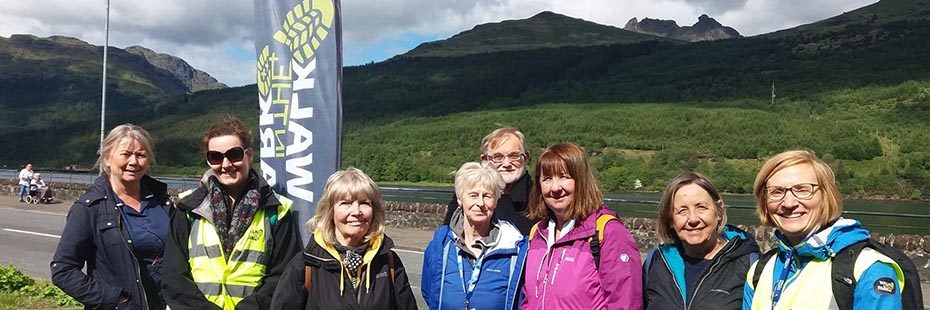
[(538, 66)]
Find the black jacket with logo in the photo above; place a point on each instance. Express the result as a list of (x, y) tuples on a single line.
[(380, 293), (720, 286)]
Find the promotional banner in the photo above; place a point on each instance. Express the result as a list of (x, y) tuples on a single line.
[(299, 58)]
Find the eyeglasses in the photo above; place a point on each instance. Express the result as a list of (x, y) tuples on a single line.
[(234, 155), (499, 158), (803, 191)]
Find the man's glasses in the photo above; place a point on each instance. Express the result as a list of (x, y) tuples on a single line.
[(499, 158), (234, 155), (803, 191)]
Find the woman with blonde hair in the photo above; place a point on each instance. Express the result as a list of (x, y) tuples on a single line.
[(348, 262), (117, 229), (580, 254), (796, 193)]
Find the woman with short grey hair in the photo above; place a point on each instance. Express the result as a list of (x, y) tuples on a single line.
[(474, 243)]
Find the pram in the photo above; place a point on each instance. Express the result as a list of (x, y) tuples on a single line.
[(36, 195)]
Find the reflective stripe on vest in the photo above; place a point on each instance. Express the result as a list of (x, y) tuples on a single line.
[(223, 281)]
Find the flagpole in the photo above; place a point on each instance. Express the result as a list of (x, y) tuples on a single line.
[(103, 96)]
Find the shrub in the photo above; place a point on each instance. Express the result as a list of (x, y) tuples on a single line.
[(11, 279)]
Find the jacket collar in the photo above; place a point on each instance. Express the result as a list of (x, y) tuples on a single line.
[(520, 190), (583, 229), (504, 235), (827, 242), (199, 201), (102, 190)]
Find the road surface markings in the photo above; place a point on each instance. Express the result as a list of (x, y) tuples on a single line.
[(31, 233)]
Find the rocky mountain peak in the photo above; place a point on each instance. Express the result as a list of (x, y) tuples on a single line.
[(195, 80), (705, 29)]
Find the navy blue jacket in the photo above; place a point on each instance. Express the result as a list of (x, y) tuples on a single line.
[(95, 235)]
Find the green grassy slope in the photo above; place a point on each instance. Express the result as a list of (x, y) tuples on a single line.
[(874, 137)]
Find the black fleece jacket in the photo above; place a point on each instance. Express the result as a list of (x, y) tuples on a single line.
[(178, 285)]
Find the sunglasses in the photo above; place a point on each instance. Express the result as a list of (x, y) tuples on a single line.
[(234, 155)]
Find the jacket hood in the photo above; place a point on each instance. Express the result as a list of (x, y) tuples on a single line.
[(826, 243), (505, 235), (321, 254)]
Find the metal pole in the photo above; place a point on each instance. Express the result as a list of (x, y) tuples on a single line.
[(103, 96)]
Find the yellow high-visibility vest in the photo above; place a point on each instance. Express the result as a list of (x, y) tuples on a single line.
[(223, 280)]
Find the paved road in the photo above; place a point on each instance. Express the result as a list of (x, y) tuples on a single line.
[(29, 236)]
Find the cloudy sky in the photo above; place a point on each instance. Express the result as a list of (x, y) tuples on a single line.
[(217, 36)]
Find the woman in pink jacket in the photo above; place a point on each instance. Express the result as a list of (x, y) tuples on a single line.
[(571, 263)]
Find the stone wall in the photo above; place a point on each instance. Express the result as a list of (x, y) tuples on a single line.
[(428, 216)]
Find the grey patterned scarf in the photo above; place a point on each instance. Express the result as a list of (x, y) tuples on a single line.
[(232, 224)]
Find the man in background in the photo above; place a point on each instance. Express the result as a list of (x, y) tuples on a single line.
[(505, 149)]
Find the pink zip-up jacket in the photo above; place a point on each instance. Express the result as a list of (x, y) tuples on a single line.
[(565, 277)]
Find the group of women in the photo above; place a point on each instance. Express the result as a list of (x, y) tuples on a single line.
[(232, 243)]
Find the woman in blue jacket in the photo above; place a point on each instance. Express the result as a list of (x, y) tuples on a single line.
[(117, 229), (796, 193), (476, 261)]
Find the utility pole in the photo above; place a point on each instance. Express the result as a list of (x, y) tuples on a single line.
[(103, 97), (773, 92)]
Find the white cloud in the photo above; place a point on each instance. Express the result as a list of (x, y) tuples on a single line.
[(204, 31)]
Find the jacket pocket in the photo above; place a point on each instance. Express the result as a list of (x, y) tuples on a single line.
[(109, 232)]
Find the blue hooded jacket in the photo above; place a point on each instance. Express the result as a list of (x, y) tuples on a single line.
[(810, 261), (447, 271)]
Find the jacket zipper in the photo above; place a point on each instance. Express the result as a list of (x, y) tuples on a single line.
[(674, 279), (709, 269), (119, 225)]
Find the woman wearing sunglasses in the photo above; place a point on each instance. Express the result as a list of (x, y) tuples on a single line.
[(233, 236), (118, 229), (796, 193)]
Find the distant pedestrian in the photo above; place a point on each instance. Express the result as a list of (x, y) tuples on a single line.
[(45, 192), (25, 176), (117, 230)]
